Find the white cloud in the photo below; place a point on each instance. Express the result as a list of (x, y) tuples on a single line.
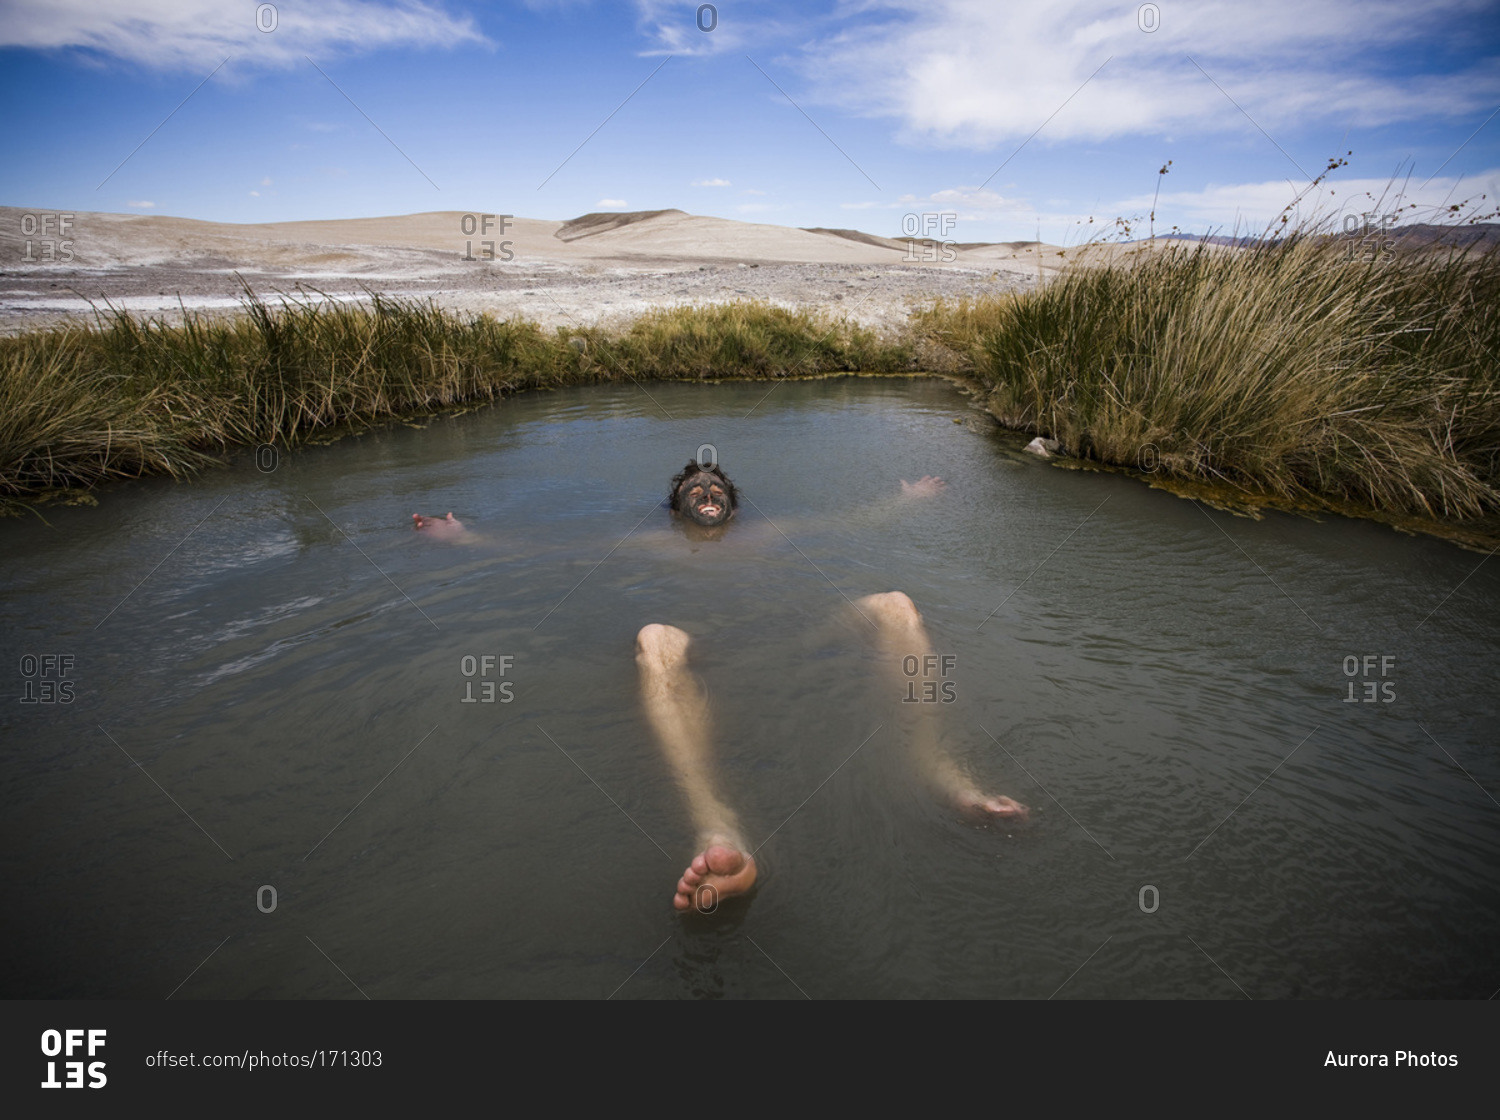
[(975, 73), (255, 194), (141, 205), (193, 34), (973, 203), (1254, 208), (953, 198), (611, 204), (711, 183)]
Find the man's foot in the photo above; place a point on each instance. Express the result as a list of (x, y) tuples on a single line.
[(990, 806), (716, 873)]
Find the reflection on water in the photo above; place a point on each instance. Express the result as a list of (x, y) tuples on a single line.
[(301, 728)]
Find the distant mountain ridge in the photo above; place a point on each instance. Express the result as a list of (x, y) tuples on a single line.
[(1418, 235)]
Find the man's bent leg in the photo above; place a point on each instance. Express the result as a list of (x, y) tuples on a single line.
[(902, 637), (678, 713)]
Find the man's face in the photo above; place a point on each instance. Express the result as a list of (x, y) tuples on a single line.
[(704, 498)]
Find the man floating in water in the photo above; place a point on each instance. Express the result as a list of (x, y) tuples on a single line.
[(705, 499)]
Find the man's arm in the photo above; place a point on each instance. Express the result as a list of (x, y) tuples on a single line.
[(887, 509), (926, 487), (877, 513)]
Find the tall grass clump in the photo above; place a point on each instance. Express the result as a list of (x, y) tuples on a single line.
[(127, 396), (753, 339), (1282, 369), (68, 420)]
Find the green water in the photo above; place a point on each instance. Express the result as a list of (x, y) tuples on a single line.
[(288, 770)]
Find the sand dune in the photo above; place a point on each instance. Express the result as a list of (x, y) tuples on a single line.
[(603, 222), (601, 267)]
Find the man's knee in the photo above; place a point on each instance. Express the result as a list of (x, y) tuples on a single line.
[(660, 641), (892, 606)]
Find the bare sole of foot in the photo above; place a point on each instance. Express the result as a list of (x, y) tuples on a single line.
[(991, 806), (716, 873)]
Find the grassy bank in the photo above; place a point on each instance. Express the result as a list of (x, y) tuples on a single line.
[(125, 397), (1285, 370)]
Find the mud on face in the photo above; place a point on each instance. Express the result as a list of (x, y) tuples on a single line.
[(703, 494)]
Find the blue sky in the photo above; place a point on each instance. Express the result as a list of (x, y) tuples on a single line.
[(1018, 118)]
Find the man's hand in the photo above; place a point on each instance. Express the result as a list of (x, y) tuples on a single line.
[(926, 487)]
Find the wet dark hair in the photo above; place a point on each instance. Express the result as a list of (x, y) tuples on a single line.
[(674, 500)]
